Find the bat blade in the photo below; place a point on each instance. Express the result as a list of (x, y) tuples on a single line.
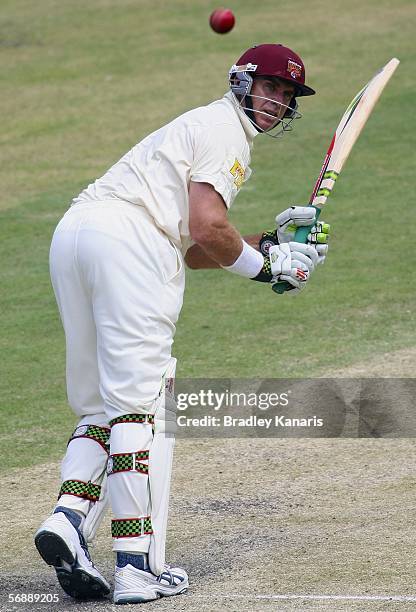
[(348, 130), (346, 134)]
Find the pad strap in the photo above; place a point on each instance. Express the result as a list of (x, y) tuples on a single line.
[(126, 462), (86, 490), (133, 418), (131, 527), (93, 432)]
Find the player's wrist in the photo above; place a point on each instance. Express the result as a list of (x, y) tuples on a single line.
[(249, 263)]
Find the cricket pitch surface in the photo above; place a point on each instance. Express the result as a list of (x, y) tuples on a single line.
[(259, 524)]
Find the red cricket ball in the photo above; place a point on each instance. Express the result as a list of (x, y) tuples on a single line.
[(222, 20)]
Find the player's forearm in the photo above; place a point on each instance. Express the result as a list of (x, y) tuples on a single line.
[(253, 240), (199, 258), (219, 239)]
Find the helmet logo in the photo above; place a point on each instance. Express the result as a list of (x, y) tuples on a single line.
[(294, 69), (244, 68)]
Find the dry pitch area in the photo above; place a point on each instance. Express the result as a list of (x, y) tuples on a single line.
[(258, 521)]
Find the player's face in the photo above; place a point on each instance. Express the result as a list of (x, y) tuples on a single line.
[(279, 94)]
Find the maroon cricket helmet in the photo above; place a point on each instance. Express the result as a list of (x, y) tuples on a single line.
[(276, 60)]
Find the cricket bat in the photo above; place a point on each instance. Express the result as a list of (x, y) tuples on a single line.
[(346, 134)]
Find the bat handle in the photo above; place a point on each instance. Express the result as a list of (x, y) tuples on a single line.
[(301, 235)]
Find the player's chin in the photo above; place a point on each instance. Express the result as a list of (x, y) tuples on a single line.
[(266, 123)]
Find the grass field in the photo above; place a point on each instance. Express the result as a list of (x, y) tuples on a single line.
[(82, 82)]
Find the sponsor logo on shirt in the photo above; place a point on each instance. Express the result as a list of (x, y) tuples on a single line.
[(238, 172)]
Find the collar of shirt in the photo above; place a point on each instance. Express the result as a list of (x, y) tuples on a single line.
[(248, 127)]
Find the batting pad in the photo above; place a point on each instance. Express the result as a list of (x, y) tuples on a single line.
[(160, 468), (139, 476), (127, 474), (96, 512), (84, 465)]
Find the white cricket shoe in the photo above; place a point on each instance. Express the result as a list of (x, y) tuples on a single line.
[(133, 585), (62, 545)]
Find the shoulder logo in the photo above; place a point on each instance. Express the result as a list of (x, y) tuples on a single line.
[(238, 173)]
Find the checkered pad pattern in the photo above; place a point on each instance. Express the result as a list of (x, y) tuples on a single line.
[(93, 432), (86, 490), (133, 418), (131, 527), (125, 462)]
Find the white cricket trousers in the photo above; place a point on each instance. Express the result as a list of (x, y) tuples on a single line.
[(119, 284)]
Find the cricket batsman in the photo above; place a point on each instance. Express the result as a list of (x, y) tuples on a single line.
[(117, 268)]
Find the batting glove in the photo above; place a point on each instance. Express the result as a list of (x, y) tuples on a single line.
[(318, 238), (291, 261), (290, 219), (287, 223)]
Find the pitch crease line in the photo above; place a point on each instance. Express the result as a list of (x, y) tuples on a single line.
[(398, 598)]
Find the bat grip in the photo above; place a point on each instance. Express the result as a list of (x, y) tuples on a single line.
[(301, 235)]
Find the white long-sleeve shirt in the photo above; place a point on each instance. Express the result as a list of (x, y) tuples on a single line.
[(209, 144)]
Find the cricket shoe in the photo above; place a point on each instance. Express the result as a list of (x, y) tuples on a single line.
[(60, 543), (135, 585)]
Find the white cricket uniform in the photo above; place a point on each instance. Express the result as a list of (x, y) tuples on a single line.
[(117, 255), (117, 270), (209, 144)]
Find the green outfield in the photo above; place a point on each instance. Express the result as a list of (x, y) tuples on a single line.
[(83, 81), (261, 524)]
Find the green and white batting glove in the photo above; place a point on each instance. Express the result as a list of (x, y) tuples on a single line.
[(286, 225), (292, 261), (288, 221), (318, 238)]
